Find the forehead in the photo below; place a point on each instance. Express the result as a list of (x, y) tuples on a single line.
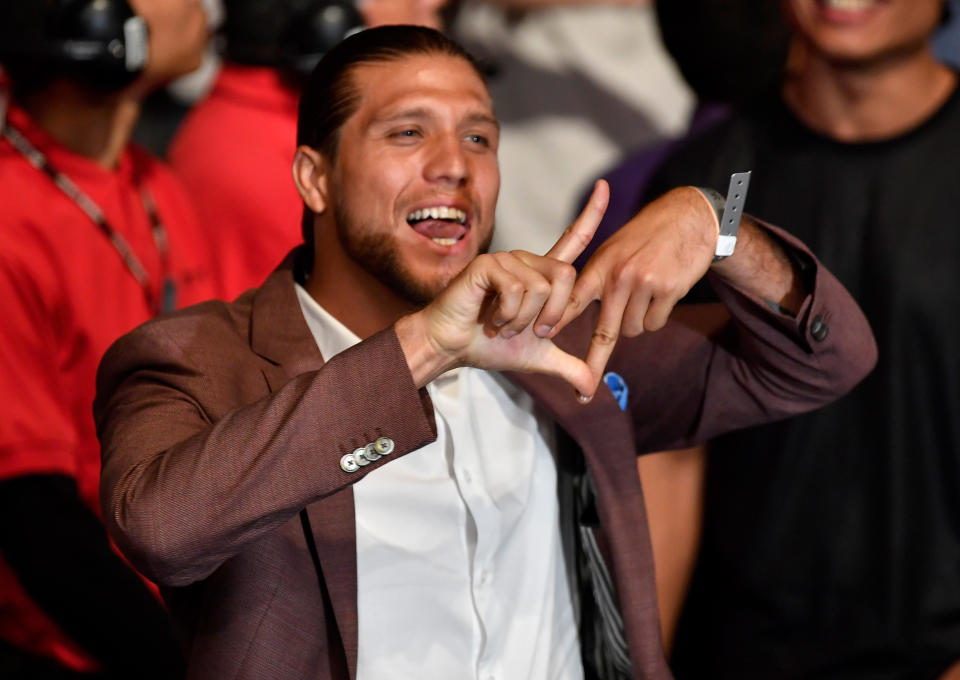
[(439, 80)]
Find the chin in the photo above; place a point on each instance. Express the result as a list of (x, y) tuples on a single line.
[(424, 288)]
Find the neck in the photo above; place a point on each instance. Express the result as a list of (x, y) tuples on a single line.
[(97, 126), (864, 102), (357, 299)]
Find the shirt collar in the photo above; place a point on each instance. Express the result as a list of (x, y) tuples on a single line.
[(332, 336)]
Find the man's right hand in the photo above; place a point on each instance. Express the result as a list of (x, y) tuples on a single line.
[(498, 312)]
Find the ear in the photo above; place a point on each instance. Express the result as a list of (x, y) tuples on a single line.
[(310, 173)]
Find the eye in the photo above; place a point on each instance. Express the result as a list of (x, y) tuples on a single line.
[(405, 133), (478, 139)]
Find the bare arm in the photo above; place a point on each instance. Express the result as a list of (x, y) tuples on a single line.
[(760, 266), (673, 495)]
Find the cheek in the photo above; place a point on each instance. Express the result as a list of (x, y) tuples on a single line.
[(428, 13), (196, 27), (380, 12), (920, 19), (389, 181), (373, 192), (178, 39), (489, 182)]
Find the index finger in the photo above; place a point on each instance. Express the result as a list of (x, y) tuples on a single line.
[(578, 235), (605, 335)]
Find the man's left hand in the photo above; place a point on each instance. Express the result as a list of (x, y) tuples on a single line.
[(643, 269)]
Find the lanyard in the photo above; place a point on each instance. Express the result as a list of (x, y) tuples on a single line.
[(168, 294)]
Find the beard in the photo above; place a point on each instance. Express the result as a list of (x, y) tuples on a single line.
[(379, 255)]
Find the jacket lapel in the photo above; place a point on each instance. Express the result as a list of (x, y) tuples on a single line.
[(605, 435), (279, 334)]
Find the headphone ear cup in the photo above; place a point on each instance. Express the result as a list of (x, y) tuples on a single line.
[(102, 42), (315, 28), (286, 34)]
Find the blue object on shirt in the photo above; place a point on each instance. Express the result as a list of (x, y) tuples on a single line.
[(618, 386)]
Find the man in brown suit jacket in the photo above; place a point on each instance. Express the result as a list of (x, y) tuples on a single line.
[(235, 451)]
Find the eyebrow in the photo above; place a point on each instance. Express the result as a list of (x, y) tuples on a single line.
[(423, 112), (484, 118)]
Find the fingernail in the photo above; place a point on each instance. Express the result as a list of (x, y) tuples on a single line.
[(508, 333), (499, 322), (543, 330), (582, 398)]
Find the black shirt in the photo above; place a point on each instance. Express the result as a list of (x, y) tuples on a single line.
[(832, 541)]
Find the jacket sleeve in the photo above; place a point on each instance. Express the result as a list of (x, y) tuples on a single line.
[(715, 368), (184, 488)]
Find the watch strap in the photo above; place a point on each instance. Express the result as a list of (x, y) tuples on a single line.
[(729, 211)]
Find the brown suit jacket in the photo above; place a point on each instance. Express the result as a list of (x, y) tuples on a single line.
[(220, 423)]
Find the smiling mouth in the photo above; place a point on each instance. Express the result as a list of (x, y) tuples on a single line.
[(444, 225), (848, 5)]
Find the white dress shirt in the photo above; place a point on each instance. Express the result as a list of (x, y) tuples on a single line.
[(460, 567)]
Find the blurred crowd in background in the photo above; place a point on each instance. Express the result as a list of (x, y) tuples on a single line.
[(827, 546)]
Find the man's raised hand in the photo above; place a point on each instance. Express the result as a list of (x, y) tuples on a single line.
[(498, 312), (642, 270)]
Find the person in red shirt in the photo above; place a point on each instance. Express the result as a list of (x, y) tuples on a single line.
[(97, 237), (235, 148)]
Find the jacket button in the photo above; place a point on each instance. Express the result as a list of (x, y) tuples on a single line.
[(370, 452), (819, 329), (348, 464), (384, 446), (360, 459)]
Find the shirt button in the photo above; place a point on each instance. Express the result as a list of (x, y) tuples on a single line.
[(348, 464), (467, 477), (384, 446), (819, 329)]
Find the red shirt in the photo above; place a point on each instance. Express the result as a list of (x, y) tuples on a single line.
[(234, 152), (66, 295)]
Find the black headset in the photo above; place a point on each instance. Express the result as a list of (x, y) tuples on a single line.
[(101, 42), (287, 34)]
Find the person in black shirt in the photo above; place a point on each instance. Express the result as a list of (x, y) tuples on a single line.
[(831, 545)]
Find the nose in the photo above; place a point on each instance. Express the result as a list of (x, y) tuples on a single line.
[(447, 162)]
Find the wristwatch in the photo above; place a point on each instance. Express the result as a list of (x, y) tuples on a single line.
[(729, 210)]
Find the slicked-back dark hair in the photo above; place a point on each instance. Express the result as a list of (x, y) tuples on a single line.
[(330, 97)]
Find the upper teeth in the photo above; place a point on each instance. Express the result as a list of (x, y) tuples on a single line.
[(849, 5), (438, 213)]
